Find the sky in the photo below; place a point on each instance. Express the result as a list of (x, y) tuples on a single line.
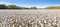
[(32, 3)]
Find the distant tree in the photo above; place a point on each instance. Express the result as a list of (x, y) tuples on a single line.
[(26, 8), (13, 7), (33, 7), (2, 6), (53, 7)]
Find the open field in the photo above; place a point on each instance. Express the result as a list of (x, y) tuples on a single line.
[(30, 18)]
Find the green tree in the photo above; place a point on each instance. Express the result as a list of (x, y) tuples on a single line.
[(2, 6), (33, 7), (53, 7), (13, 7)]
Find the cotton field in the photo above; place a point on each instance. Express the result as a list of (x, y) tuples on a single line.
[(29, 18)]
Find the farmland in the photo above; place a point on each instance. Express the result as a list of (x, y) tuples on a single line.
[(29, 18)]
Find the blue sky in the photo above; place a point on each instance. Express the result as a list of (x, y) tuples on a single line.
[(32, 3)]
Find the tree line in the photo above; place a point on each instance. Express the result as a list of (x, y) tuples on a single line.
[(3, 6), (53, 7)]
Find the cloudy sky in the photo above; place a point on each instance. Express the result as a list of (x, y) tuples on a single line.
[(30, 3)]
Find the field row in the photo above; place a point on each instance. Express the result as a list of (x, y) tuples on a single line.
[(35, 18)]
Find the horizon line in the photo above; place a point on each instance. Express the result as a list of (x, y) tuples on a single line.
[(7, 3)]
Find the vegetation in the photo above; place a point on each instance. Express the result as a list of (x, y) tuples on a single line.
[(30, 18), (13, 7), (53, 7), (2, 6), (33, 8)]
